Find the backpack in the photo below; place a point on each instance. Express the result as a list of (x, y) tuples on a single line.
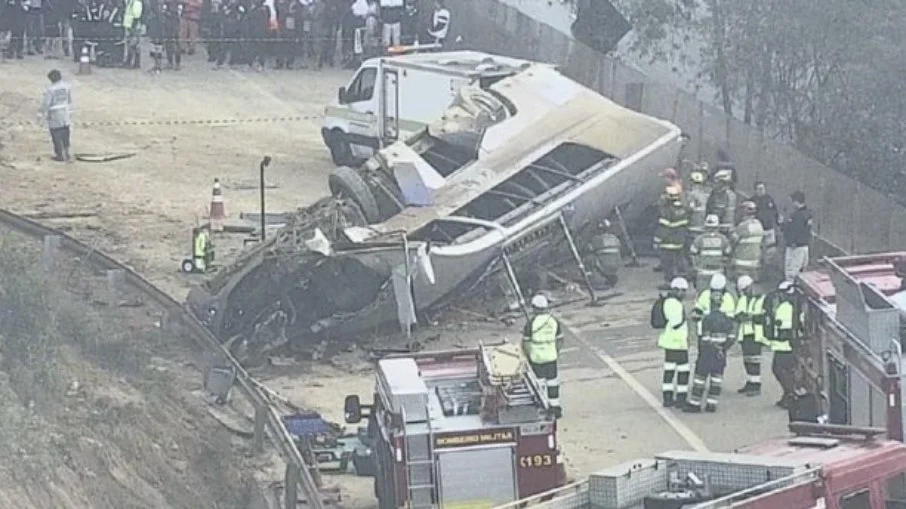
[(658, 318)]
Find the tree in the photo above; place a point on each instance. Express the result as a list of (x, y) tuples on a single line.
[(825, 76)]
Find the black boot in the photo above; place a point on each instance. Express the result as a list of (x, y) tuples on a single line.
[(745, 388), (137, 62), (692, 409), (668, 400), (755, 390)]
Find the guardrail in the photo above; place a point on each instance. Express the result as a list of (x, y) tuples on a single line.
[(267, 422)]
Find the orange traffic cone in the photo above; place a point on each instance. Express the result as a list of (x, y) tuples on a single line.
[(218, 212)]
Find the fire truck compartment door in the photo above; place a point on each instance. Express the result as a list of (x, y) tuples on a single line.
[(458, 472)]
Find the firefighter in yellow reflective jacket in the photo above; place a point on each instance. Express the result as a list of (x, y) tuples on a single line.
[(605, 258), (203, 255), (747, 240), (710, 252), (672, 233), (783, 327), (750, 316), (541, 340), (697, 196), (718, 285), (674, 340)]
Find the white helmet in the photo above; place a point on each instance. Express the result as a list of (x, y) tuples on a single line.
[(785, 286), (744, 282), (679, 283), (718, 282), (712, 221), (540, 302)]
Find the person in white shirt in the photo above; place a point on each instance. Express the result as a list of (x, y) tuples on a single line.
[(440, 23)]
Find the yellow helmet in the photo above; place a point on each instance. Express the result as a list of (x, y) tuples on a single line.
[(723, 176)]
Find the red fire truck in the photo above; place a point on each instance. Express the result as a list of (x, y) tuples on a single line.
[(820, 467), (461, 429), (852, 347)]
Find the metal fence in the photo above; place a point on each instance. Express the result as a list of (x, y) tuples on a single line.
[(850, 217)]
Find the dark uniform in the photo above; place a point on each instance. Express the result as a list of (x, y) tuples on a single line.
[(797, 233), (717, 337), (14, 17), (171, 13), (605, 259), (671, 236)]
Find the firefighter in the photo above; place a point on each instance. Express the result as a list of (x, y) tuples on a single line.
[(782, 327), (709, 252), (698, 200), (674, 340), (716, 338), (203, 255), (750, 317), (605, 256), (748, 238), (541, 341), (722, 201), (716, 292), (672, 231)]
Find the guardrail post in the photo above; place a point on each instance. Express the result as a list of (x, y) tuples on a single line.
[(51, 248), (116, 278), (260, 419), (290, 494)]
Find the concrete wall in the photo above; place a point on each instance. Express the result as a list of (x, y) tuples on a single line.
[(850, 216)]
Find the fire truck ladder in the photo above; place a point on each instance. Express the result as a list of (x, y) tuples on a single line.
[(506, 368), (421, 468)]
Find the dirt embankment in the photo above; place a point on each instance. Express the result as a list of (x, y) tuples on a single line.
[(98, 407)]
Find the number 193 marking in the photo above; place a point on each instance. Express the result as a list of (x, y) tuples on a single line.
[(537, 460)]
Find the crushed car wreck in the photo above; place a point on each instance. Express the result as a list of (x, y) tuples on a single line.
[(489, 186)]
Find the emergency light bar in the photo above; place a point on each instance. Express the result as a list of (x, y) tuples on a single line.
[(413, 48)]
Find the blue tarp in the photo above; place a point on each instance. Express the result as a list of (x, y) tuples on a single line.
[(307, 424)]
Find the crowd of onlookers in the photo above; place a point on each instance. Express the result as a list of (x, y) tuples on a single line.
[(255, 33)]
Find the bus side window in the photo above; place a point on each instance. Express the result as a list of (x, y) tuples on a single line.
[(857, 500), (895, 492)]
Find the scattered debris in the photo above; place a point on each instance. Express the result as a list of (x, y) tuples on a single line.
[(103, 158)]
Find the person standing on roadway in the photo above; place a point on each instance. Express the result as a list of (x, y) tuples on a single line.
[(541, 341), (783, 325), (797, 234), (674, 340), (716, 292), (698, 200), (718, 335), (750, 317), (722, 201), (56, 112), (605, 259), (766, 213), (748, 238), (672, 232), (709, 252)]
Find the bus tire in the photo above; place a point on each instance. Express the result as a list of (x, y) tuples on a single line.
[(346, 183), (340, 151)]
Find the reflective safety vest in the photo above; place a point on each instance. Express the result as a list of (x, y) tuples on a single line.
[(542, 344), (675, 336), (748, 237), (698, 202), (709, 252), (753, 323), (606, 247), (673, 225), (703, 306), (782, 324), (201, 244)]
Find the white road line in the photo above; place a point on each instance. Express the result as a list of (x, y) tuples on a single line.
[(678, 426)]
